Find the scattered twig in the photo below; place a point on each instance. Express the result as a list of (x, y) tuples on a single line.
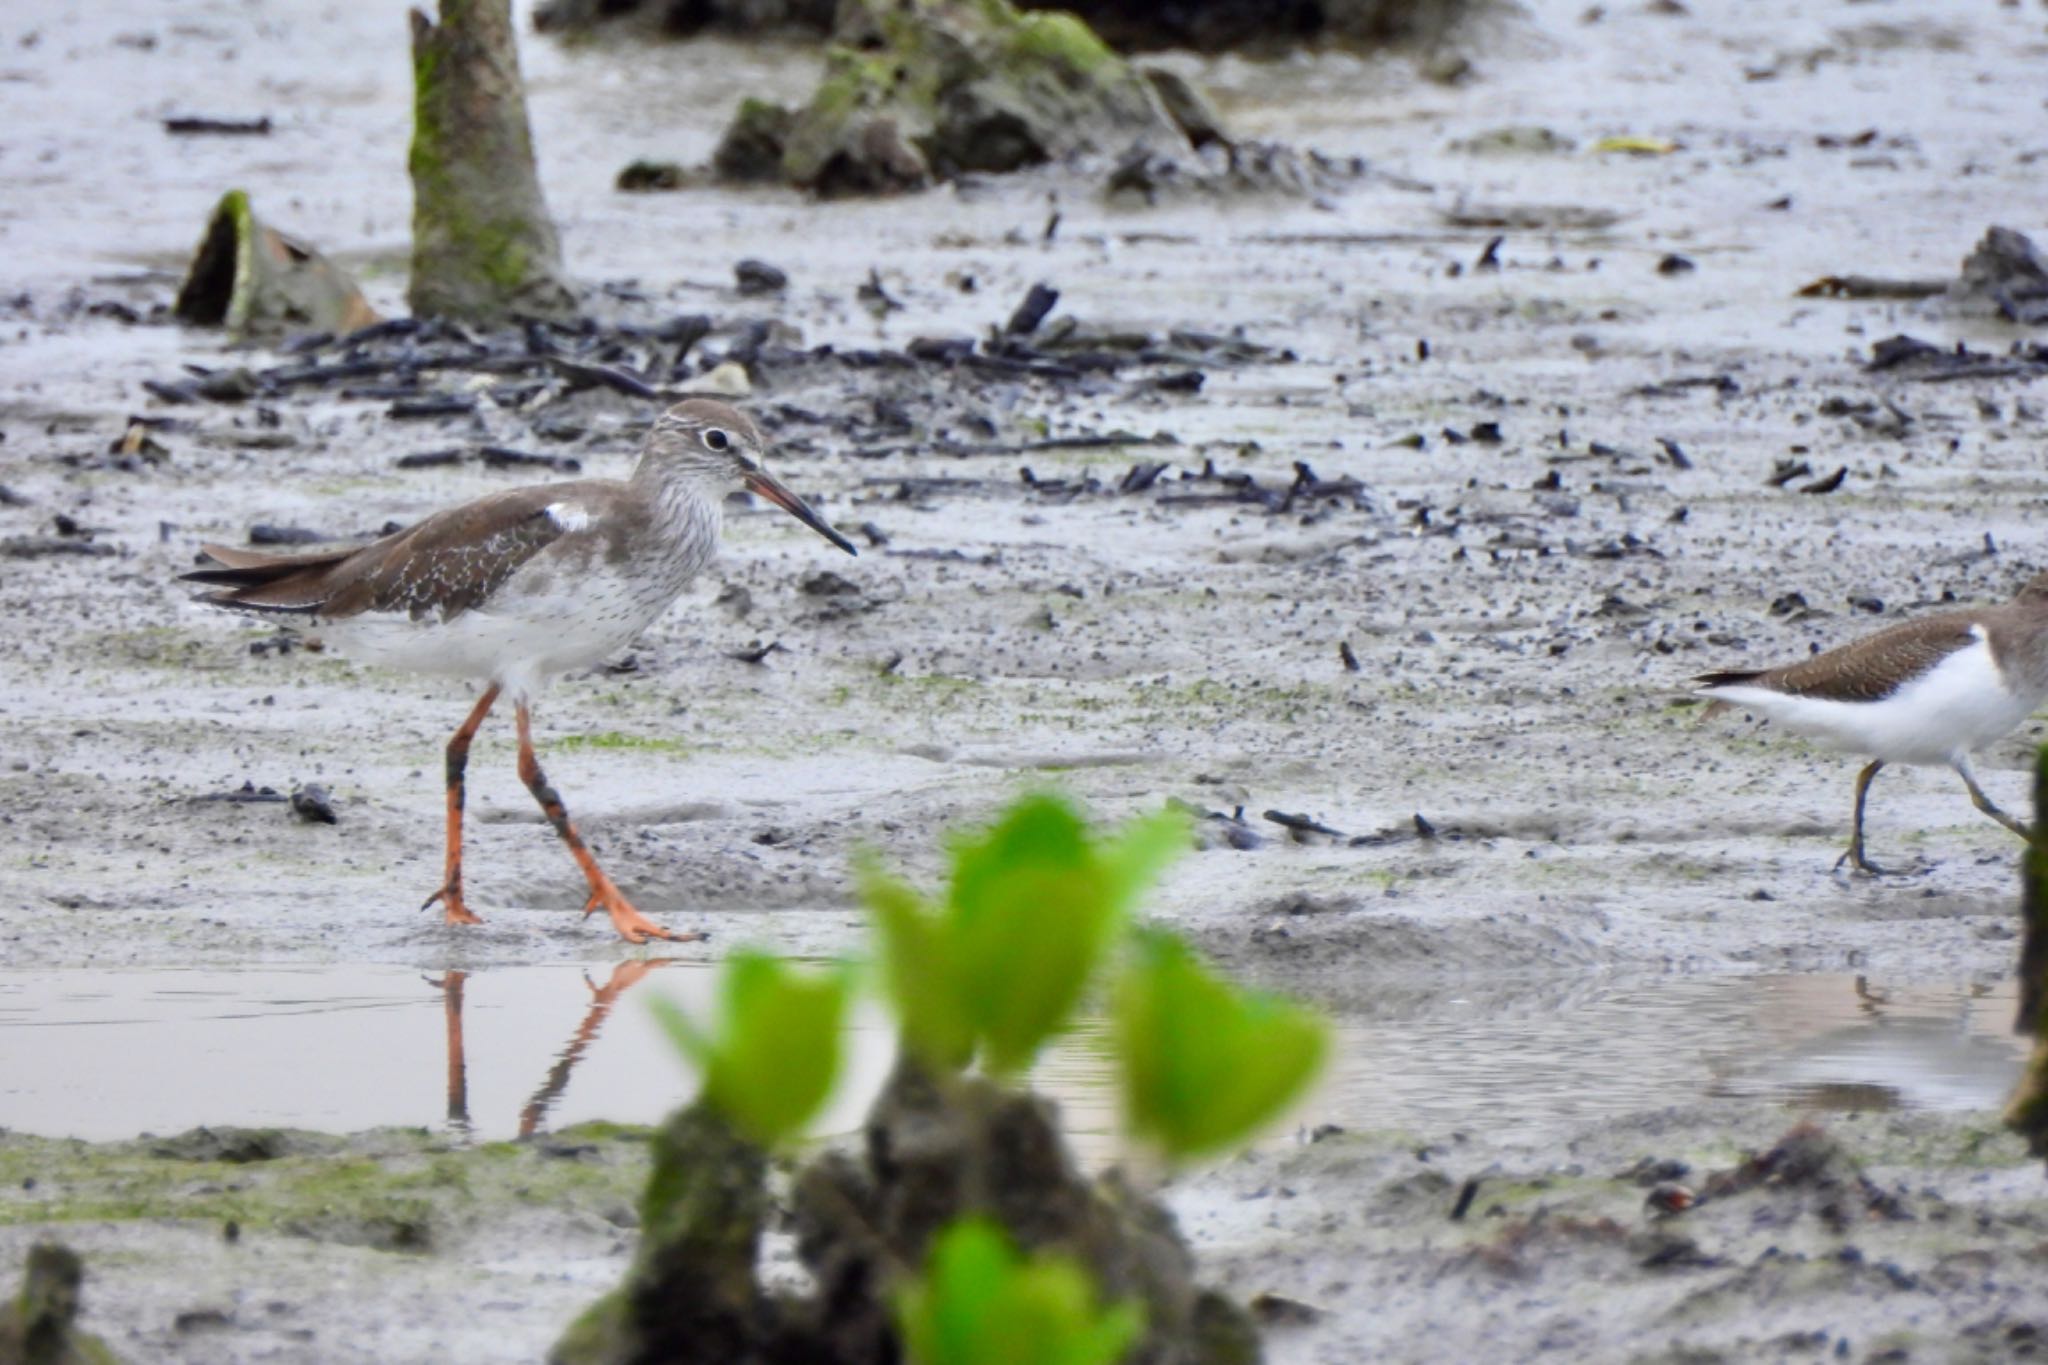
[(196, 125)]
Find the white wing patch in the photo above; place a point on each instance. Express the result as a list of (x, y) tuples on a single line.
[(570, 516)]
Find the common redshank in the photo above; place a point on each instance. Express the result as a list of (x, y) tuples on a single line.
[(1925, 691), (517, 587)]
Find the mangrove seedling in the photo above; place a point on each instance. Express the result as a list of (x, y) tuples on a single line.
[(981, 1303)]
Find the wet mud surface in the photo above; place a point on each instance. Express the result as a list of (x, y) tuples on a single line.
[(1444, 540)]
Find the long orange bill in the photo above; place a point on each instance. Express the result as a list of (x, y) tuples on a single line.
[(767, 486)]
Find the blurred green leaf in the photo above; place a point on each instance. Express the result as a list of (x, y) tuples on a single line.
[(918, 968), (980, 1303), (1140, 852), (1030, 911), (777, 1050), (1205, 1064), (1033, 903)]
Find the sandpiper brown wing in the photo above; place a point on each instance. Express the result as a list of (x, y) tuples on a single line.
[(1869, 669), (440, 567)]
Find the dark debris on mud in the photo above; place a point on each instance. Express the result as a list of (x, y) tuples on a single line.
[(949, 396)]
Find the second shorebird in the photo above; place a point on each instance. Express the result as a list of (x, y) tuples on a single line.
[(1926, 691), (519, 586)]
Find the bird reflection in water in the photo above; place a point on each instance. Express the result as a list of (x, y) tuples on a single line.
[(624, 977), (1872, 1047)]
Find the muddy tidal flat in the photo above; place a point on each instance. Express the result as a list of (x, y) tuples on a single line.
[(1387, 547)]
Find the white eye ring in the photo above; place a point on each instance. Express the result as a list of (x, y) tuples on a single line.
[(716, 439)]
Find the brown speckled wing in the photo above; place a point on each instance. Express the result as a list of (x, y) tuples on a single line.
[(451, 561), (1876, 666), (441, 567)]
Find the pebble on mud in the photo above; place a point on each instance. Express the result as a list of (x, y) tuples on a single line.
[(755, 278), (312, 805)]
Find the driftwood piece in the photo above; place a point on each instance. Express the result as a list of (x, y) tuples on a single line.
[(483, 246), (256, 281)]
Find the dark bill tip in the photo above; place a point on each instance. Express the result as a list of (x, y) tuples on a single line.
[(769, 488)]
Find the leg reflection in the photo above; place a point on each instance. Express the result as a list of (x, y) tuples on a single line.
[(458, 1064), (624, 977)]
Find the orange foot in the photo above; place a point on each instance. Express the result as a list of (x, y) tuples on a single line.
[(633, 926), (452, 908)]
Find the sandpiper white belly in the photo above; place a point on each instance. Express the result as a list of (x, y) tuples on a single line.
[(1958, 706), (1929, 690)]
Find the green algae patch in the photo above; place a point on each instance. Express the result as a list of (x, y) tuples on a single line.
[(615, 739), (387, 1190)]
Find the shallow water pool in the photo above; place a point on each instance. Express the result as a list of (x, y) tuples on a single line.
[(497, 1053)]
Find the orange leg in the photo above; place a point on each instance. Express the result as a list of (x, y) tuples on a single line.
[(633, 926), (450, 894)]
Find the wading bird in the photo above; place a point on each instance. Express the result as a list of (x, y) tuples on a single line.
[(517, 587), (1925, 691)]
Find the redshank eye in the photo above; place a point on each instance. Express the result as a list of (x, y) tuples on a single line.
[(717, 440)]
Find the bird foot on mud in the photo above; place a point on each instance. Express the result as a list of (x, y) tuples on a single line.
[(633, 926)]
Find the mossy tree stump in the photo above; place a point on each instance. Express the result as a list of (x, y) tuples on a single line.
[(917, 90), (2027, 1111), (40, 1326), (483, 246)]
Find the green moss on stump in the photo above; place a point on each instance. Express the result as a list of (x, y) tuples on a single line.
[(939, 88)]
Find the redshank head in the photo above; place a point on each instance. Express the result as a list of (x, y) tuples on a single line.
[(711, 442)]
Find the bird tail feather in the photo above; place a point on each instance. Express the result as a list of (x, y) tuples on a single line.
[(253, 581)]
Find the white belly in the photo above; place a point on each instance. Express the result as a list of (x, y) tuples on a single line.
[(518, 640), (1960, 704)]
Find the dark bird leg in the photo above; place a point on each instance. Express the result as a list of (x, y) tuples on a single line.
[(1984, 803), (450, 894), (1854, 854), (633, 926)]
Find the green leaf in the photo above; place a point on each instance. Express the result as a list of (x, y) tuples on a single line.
[(1140, 852), (980, 1303), (917, 964), (1033, 904), (1205, 1064), (777, 1051)]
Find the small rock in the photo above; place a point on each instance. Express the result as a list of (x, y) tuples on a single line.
[(759, 277), (750, 152), (1036, 304), (825, 583), (1670, 1198), (312, 804), (638, 177), (202, 1319)]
